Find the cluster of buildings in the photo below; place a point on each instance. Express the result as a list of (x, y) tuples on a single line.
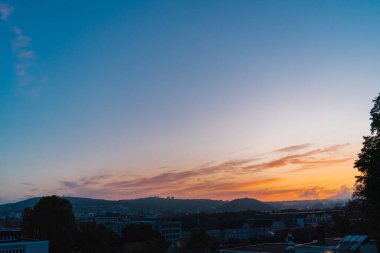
[(262, 227), (347, 244), (258, 228), (170, 230), (12, 241)]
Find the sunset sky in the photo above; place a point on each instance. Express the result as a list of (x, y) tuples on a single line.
[(192, 99)]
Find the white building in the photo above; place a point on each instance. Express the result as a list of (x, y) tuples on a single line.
[(11, 242), (25, 247), (314, 219)]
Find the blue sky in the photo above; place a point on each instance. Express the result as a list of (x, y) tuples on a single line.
[(137, 89)]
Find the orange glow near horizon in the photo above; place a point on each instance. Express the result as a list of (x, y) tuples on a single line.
[(287, 174)]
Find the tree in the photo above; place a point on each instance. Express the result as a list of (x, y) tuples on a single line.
[(200, 241), (96, 238), (141, 238), (28, 224), (51, 219), (368, 163)]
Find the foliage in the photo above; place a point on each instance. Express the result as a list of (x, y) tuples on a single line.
[(28, 224), (142, 238), (350, 220), (96, 238), (368, 164), (198, 239), (51, 219)]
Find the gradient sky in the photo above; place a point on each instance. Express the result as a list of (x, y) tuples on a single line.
[(191, 99)]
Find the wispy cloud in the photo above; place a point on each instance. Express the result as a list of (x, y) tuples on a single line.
[(25, 65), (313, 157), (5, 11), (238, 178), (294, 148), (28, 184)]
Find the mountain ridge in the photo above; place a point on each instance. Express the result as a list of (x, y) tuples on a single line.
[(172, 206)]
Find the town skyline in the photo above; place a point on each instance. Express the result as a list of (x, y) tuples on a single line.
[(199, 99)]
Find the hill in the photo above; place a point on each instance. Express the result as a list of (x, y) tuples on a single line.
[(309, 204), (245, 204), (153, 205), (170, 206)]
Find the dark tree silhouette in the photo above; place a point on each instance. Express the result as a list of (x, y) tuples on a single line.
[(200, 241), (51, 219), (28, 224), (368, 163), (141, 238), (96, 238)]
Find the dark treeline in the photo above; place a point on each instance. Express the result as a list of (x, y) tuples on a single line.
[(52, 219)]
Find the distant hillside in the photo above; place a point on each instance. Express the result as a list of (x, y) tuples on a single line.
[(80, 204), (245, 204), (155, 205), (309, 204), (147, 205), (173, 206), (18, 206)]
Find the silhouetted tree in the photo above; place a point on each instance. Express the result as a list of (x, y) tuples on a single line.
[(51, 219), (368, 164), (200, 241), (96, 238), (341, 224), (141, 238), (28, 224)]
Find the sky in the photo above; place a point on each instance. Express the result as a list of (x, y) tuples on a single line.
[(192, 99)]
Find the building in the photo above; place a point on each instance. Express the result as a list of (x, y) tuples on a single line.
[(10, 235), (356, 244), (107, 218), (314, 219), (170, 230), (11, 241), (265, 247), (114, 221), (277, 226), (349, 244), (260, 228)]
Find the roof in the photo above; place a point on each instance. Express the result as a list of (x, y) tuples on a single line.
[(329, 241), (351, 242), (265, 247)]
